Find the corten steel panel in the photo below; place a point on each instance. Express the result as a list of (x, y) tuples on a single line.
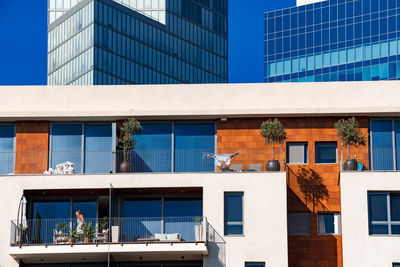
[(308, 250), (32, 145)]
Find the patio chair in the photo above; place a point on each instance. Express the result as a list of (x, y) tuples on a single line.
[(101, 237), (59, 237), (255, 167), (236, 167)]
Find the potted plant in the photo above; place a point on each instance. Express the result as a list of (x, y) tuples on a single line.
[(71, 235), (349, 133), (274, 133), (88, 232), (198, 230), (62, 226), (126, 141)]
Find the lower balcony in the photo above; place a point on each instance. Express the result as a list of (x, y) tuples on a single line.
[(122, 239)]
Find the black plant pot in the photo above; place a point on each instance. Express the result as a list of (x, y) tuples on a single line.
[(124, 167), (350, 165), (273, 166)]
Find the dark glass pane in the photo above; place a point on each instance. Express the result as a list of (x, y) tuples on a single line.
[(249, 264), (233, 211), (325, 152), (382, 144), (233, 229), (395, 229), (395, 207), (377, 207), (378, 229)]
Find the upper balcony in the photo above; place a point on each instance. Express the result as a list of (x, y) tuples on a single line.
[(165, 238), (139, 161)]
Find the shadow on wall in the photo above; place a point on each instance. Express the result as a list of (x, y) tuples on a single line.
[(312, 187), (216, 254)]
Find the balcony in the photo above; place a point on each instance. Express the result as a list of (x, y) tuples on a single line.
[(141, 161), (373, 159), (167, 238)]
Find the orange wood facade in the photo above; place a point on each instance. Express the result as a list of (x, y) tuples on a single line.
[(242, 135), (32, 145)]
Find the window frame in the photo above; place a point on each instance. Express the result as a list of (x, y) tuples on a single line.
[(305, 143), (389, 221), (308, 223), (334, 213), (14, 125), (113, 125), (250, 263), (325, 142), (371, 145), (234, 223)]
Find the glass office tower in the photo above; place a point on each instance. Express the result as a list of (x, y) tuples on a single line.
[(333, 40), (97, 42)]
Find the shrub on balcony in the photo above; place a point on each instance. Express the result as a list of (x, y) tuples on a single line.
[(274, 132), (127, 143), (350, 135)]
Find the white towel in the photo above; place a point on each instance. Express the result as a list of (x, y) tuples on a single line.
[(219, 158)]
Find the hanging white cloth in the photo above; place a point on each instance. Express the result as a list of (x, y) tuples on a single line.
[(219, 158)]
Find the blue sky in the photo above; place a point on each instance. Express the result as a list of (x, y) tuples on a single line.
[(23, 45)]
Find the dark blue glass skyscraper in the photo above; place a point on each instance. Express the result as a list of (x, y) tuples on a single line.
[(333, 40), (95, 42)]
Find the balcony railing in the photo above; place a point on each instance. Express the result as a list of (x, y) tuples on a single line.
[(141, 161), (373, 159), (113, 230)]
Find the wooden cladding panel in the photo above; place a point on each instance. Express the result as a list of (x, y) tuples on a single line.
[(32, 145)]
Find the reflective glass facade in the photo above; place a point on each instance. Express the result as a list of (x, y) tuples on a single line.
[(103, 42), (333, 40)]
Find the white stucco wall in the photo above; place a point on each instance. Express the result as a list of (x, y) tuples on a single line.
[(265, 226), (199, 100), (359, 248)]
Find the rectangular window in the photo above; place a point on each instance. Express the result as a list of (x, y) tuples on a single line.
[(384, 213), (325, 152), (191, 141), (7, 136), (254, 264), (298, 223), (88, 146), (382, 144), (329, 223), (233, 213), (297, 152)]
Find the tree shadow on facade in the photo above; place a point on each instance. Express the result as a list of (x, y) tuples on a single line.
[(312, 186)]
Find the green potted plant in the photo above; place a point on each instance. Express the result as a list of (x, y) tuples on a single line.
[(273, 132), (71, 235), (126, 141), (88, 232), (349, 133), (62, 226)]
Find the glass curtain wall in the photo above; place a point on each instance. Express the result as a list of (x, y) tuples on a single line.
[(105, 43), (333, 40)]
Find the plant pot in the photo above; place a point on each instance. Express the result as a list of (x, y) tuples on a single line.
[(198, 232), (115, 234), (86, 240), (124, 167), (273, 166), (350, 165), (70, 240)]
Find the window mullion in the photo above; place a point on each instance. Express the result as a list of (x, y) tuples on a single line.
[(388, 214)]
